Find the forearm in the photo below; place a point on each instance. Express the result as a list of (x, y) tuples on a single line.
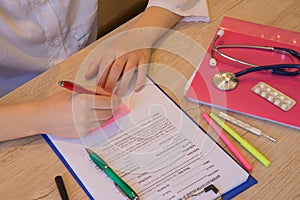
[(156, 21), (19, 120), (156, 17)]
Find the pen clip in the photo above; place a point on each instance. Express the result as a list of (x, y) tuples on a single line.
[(121, 191)]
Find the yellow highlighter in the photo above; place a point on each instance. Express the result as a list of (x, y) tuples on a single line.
[(242, 141)]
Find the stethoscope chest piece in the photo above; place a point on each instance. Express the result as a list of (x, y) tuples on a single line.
[(225, 80)]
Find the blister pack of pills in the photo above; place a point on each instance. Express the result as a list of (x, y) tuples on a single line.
[(274, 96)]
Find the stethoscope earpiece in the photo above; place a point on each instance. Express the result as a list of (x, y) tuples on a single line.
[(220, 33), (212, 62)]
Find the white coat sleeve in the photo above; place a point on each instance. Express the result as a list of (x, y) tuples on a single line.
[(191, 10)]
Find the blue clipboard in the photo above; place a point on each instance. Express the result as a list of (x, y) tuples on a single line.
[(61, 157), (239, 189), (228, 195)]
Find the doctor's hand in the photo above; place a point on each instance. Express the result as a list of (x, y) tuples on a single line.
[(132, 50), (72, 115), (118, 62)]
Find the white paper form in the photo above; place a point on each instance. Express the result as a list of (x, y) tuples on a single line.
[(157, 150)]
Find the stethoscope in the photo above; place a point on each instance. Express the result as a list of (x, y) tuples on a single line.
[(229, 80)]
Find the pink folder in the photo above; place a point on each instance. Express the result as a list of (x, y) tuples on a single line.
[(242, 99)]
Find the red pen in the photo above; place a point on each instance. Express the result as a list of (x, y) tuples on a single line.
[(230, 145), (77, 88)]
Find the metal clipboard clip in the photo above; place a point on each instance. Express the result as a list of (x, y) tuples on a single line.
[(205, 190)]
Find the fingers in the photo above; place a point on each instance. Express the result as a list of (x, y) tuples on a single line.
[(141, 78), (84, 102), (125, 81), (110, 69), (127, 75), (115, 72), (135, 60), (90, 111), (92, 118), (101, 66), (142, 71), (102, 77), (104, 102), (94, 67), (121, 66), (100, 90), (102, 115)]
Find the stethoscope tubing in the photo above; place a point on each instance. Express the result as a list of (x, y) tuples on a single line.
[(276, 69)]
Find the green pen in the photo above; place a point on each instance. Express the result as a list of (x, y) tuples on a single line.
[(120, 184), (242, 141)]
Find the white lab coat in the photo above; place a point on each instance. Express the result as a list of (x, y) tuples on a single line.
[(37, 34)]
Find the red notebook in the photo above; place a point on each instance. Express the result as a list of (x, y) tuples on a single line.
[(242, 99)]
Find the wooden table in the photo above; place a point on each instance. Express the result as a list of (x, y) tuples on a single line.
[(28, 166)]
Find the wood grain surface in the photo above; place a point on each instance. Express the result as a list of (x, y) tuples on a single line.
[(29, 166)]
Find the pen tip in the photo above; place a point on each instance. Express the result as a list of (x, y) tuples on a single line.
[(88, 150), (61, 83)]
